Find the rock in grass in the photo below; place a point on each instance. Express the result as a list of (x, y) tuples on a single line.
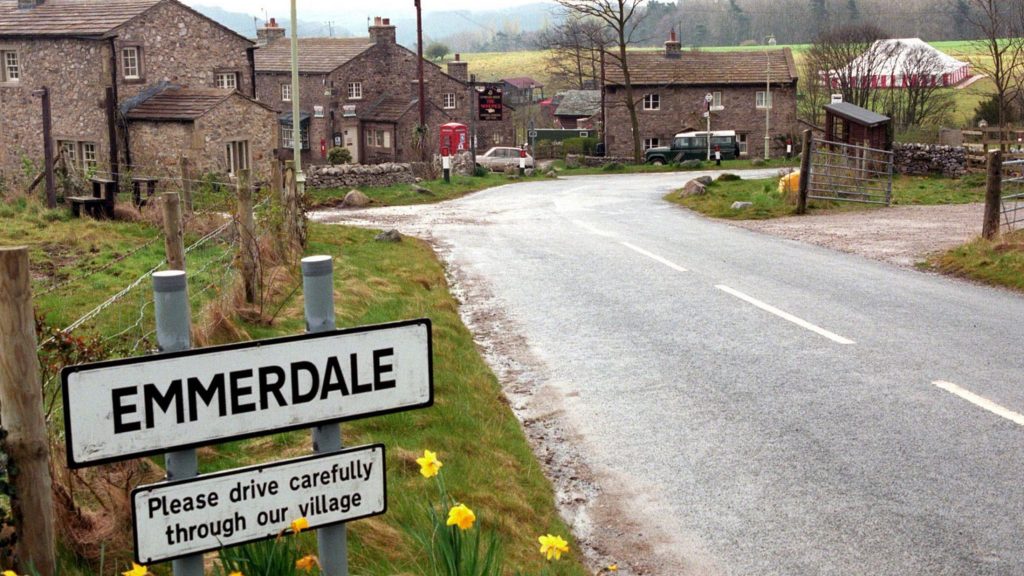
[(693, 188), (690, 164), (741, 205), (757, 162), (727, 177), (389, 236), (421, 190), (705, 180), (355, 199)]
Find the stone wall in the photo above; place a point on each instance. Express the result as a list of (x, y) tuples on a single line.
[(181, 46), (359, 175), (681, 109), (920, 159)]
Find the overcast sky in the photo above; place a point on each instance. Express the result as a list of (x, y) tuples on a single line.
[(311, 9)]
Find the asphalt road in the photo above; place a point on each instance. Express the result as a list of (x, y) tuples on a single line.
[(761, 406)]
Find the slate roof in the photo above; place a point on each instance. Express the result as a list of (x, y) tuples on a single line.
[(69, 17), (172, 103), (705, 68), (857, 114), (583, 103), (316, 55), (388, 109), (522, 82)]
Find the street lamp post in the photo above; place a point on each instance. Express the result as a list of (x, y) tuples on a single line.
[(300, 178), (768, 98), (708, 99)]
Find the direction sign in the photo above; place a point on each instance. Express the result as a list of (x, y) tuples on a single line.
[(175, 519), (140, 406)]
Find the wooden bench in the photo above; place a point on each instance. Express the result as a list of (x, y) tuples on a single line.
[(93, 206), (105, 190), (137, 184)]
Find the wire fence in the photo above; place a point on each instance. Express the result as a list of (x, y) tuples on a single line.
[(848, 173)]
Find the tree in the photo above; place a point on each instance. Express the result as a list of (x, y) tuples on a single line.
[(923, 99), (847, 58), (574, 50), (622, 17), (819, 16), (437, 51), (999, 24)]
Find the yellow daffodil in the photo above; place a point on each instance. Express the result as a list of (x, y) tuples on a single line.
[(553, 546), (8, 573), (461, 516), (236, 574), (136, 571), (613, 567), (429, 464), (299, 524), (307, 562)]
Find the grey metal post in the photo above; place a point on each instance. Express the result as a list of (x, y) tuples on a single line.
[(173, 334), (318, 289)]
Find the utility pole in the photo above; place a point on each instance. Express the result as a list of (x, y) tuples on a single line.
[(474, 109), (767, 97), (51, 190), (423, 103), (300, 178)]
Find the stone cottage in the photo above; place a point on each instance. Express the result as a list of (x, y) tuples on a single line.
[(95, 57), (363, 94), (670, 87)]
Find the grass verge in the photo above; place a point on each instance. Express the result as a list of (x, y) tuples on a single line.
[(652, 169), (769, 203), (488, 462), (997, 262), (406, 194)]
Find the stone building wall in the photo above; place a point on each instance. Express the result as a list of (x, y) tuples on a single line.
[(181, 46), (77, 73), (359, 176), (157, 149), (237, 119), (682, 108), (922, 159)]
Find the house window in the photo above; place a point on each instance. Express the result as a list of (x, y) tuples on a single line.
[(69, 150), (716, 99), (651, 143), (287, 141), (11, 69), (387, 139), (652, 102), (763, 100), (79, 155), (286, 92), (369, 137), (130, 63), (227, 80), (237, 155), (355, 90), (449, 101), (89, 156), (742, 141), (380, 138)]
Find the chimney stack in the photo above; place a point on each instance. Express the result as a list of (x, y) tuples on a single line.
[(382, 31), (673, 48), (458, 69), (269, 33)]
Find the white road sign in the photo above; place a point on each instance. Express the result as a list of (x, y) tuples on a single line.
[(174, 519), (152, 404)]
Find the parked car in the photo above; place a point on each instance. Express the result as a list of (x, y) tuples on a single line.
[(694, 146), (499, 157)]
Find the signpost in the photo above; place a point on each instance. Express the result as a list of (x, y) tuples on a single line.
[(708, 99), (490, 103), (174, 519), (152, 404)]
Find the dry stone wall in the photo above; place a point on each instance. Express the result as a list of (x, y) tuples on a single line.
[(921, 159), (359, 175)]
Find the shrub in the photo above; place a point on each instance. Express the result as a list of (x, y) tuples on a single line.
[(584, 146), (338, 155), (728, 177), (480, 172), (613, 167)]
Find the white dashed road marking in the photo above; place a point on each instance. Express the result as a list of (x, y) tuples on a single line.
[(981, 402), (785, 315), (655, 257)]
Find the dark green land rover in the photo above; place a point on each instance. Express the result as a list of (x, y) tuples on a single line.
[(694, 146)]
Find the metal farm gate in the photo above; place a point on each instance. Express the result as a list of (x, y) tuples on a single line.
[(1012, 205), (847, 173)]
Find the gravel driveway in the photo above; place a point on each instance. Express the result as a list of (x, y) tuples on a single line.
[(903, 235)]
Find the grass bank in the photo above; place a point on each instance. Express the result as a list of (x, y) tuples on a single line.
[(652, 169), (769, 203), (406, 194), (488, 463), (997, 262)]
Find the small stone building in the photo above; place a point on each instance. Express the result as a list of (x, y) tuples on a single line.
[(220, 131), (363, 94), (93, 56), (670, 86), (575, 106), (850, 124)]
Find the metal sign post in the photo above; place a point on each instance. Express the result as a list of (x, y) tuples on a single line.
[(318, 290), (173, 334), (708, 99)]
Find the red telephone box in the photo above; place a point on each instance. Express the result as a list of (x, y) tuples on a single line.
[(454, 138)]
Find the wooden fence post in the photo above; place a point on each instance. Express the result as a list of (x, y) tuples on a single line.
[(993, 195), (292, 210), (21, 411), (186, 184), (276, 188), (246, 234), (805, 173), (174, 236)]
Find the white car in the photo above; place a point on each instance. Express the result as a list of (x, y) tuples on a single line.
[(499, 157)]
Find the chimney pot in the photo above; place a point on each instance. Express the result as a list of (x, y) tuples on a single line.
[(376, 21), (458, 57), (387, 21)]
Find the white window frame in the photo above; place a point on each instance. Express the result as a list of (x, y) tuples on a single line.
[(759, 100), (286, 137), (449, 101), (355, 90), (131, 63), (89, 156), (652, 102), (237, 152), (716, 98), (286, 92), (226, 80), (387, 138), (651, 143), (741, 140), (10, 66)]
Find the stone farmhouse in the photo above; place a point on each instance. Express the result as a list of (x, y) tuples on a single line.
[(670, 87), (363, 94), (134, 84)]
